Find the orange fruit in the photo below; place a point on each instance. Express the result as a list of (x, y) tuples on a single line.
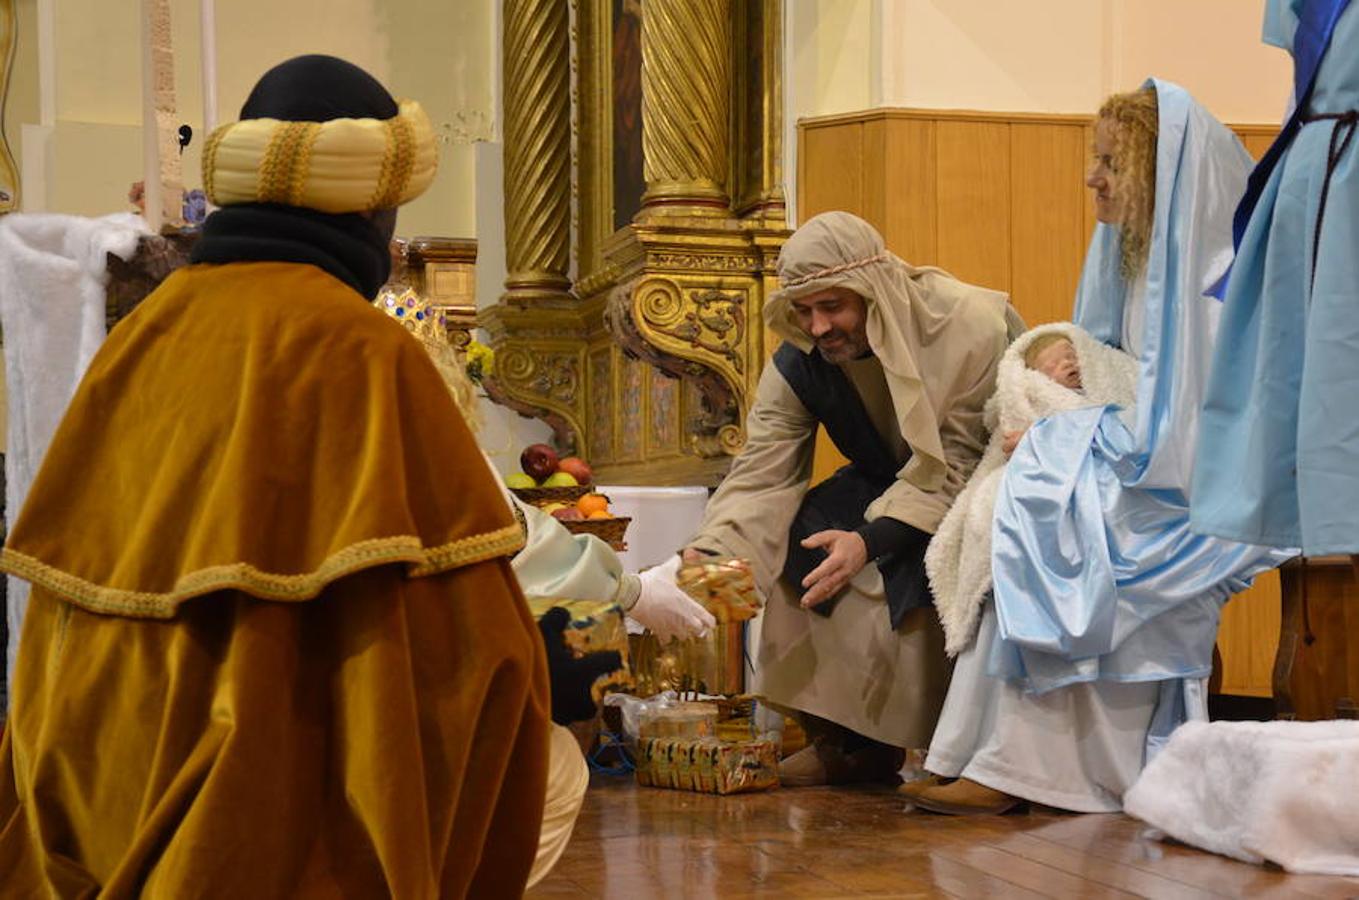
[(600, 514), (593, 503)]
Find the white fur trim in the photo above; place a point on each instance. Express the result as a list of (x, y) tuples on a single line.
[(958, 561)]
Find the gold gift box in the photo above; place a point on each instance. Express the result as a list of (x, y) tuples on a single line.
[(595, 626), (725, 587), (707, 766), (683, 720)]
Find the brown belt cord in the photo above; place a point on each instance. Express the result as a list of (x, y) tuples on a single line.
[(1341, 134)]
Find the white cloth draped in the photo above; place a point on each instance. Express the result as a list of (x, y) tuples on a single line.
[(53, 270), (1278, 791)]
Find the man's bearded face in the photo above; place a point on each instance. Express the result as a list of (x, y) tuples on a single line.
[(836, 321)]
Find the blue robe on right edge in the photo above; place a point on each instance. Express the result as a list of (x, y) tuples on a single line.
[(1278, 457), (1097, 575)]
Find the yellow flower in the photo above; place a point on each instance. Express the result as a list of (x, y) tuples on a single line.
[(480, 361)]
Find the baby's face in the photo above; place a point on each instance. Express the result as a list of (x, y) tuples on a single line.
[(1058, 361)]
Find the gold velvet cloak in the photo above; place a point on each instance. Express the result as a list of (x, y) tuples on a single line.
[(274, 647)]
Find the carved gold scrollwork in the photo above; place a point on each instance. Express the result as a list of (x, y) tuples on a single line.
[(556, 376), (660, 302), (676, 284), (695, 333), (542, 383), (697, 325)]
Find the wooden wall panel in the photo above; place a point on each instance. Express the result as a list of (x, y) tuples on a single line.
[(1047, 219), (1321, 625), (973, 201), (1255, 138), (1249, 637), (910, 172), (831, 170)]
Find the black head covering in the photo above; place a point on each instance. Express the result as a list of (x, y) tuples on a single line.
[(318, 88), (311, 88)]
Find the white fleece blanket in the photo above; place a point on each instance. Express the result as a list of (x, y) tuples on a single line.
[(1287, 792), (52, 275), (958, 560)]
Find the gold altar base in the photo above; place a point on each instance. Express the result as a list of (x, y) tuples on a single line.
[(647, 366)]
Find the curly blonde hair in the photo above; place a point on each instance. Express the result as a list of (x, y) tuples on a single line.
[(1134, 117), (458, 382)]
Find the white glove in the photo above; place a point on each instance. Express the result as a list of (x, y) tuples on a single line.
[(665, 609)]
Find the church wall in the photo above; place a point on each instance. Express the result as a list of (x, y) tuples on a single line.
[(21, 104), (441, 54), (1042, 56), (1065, 55), (444, 54)]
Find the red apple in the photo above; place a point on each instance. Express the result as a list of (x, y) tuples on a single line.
[(577, 468), (568, 514), (538, 461)]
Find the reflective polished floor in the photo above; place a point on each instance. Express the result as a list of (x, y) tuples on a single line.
[(644, 842)]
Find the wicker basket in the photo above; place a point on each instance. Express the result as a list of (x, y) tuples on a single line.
[(610, 530), (538, 496)]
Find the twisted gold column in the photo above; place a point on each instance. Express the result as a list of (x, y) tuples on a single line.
[(9, 172), (537, 150), (686, 102)]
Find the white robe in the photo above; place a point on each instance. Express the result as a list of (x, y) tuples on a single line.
[(1077, 748)]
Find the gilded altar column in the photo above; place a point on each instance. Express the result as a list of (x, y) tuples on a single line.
[(686, 102), (537, 151)]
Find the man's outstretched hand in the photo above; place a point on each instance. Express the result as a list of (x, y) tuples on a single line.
[(847, 554), (572, 678)]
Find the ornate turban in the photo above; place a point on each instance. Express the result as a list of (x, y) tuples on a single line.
[(322, 134)]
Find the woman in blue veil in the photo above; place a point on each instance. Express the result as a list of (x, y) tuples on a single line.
[(1279, 459), (1106, 605)]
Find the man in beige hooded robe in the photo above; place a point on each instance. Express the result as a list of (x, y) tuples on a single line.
[(896, 362)]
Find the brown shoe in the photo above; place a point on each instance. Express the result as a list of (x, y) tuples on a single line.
[(824, 761), (965, 797), (912, 789)]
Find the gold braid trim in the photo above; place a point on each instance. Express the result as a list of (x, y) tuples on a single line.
[(396, 164), (282, 170), (301, 165), (209, 161), (266, 585)]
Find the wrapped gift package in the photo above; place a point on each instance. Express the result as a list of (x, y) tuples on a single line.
[(725, 587), (596, 625), (706, 765), (680, 720)]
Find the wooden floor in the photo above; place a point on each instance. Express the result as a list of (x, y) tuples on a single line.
[(823, 842)]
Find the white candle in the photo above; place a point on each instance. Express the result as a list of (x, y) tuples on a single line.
[(150, 134), (207, 26)]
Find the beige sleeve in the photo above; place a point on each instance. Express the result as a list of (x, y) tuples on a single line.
[(963, 434), (751, 512)]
